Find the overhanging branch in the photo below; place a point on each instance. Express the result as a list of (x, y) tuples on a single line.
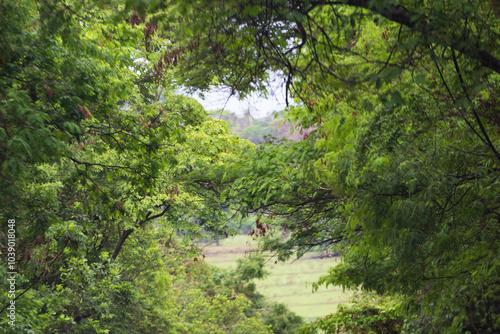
[(400, 14)]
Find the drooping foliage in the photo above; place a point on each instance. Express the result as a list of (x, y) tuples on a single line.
[(401, 170)]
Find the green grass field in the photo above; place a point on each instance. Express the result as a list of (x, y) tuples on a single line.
[(289, 282)]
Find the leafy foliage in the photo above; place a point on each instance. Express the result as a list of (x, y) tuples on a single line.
[(398, 171), (109, 176), (401, 171), (363, 316)]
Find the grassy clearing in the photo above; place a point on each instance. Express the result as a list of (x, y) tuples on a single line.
[(289, 282)]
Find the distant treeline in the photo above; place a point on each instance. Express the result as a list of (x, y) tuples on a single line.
[(257, 130)]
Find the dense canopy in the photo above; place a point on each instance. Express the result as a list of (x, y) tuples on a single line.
[(110, 176)]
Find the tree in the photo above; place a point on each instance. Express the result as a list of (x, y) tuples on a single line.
[(98, 153), (401, 173)]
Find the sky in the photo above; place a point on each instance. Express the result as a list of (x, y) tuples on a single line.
[(257, 106)]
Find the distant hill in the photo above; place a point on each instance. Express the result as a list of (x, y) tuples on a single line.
[(256, 130)]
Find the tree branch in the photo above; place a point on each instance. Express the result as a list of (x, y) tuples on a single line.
[(399, 14), (474, 111), (129, 231)]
